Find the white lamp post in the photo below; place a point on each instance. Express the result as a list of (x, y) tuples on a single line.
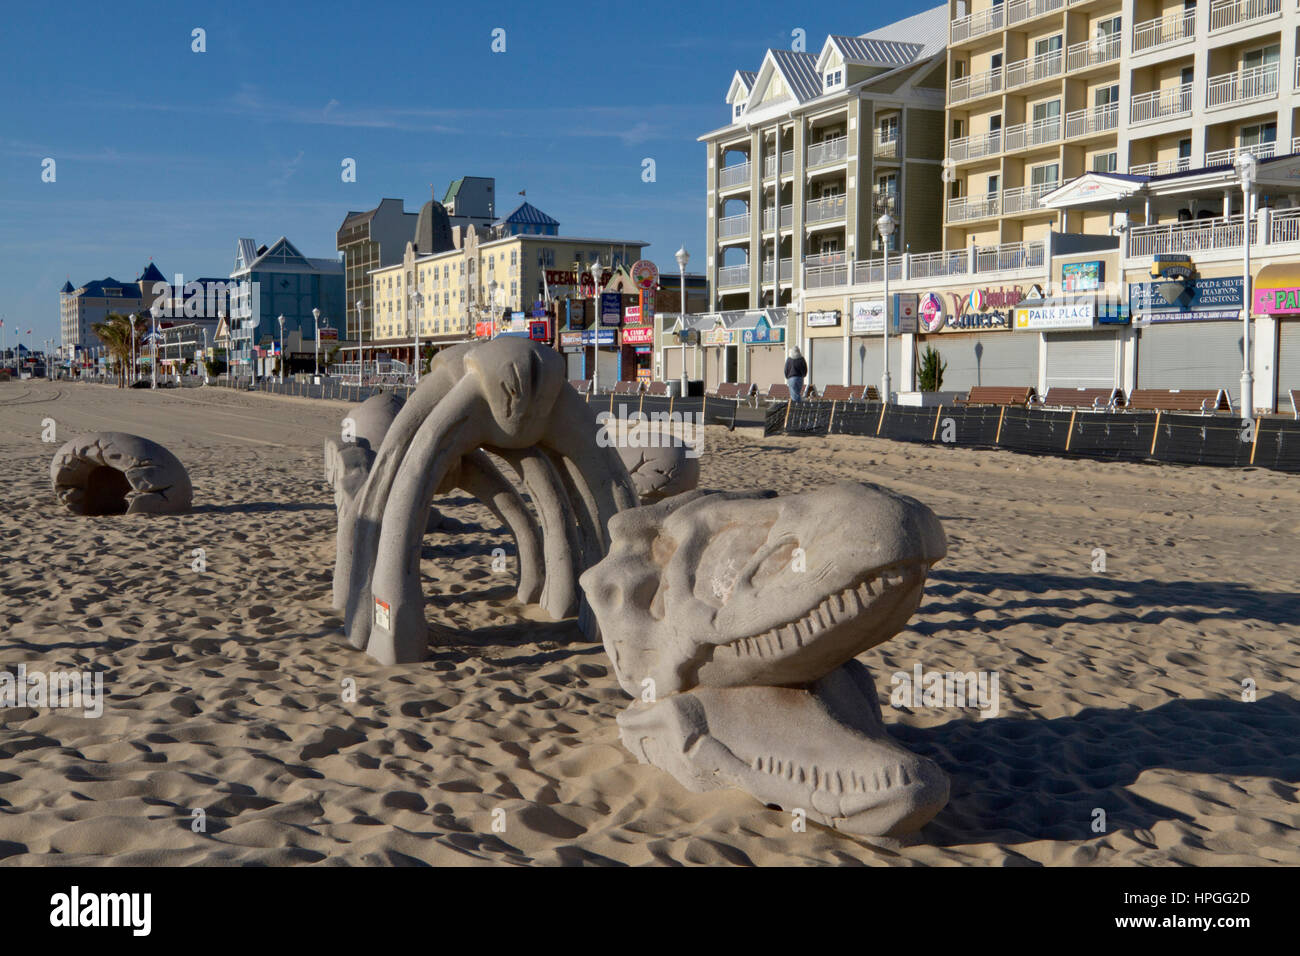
[(131, 317), (1246, 164), (417, 304), (886, 226), (205, 355), (595, 310), (315, 314), (361, 341), (153, 338), (280, 319), (683, 257)]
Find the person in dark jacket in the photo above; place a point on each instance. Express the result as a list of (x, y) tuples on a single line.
[(796, 370)]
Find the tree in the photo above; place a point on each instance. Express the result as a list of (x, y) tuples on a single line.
[(932, 369), (115, 333)]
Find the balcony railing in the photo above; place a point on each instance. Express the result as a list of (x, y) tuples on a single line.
[(933, 265), (769, 164), (737, 175), (731, 276), (1295, 80), (1036, 68), (1295, 145), (886, 148), (1099, 119), (1226, 157), (1162, 168), (826, 269), (1100, 49), (1225, 14), (977, 24), (787, 217), (787, 270), (872, 270), (884, 202), (972, 207), (1021, 10), (1161, 104), (975, 147), (978, 84), (1025, 198), (824, 210), (828, 151), (1028, 135), (1199, 235), (1244, 86), (1162, 31), (1285, 226), (732, 226), (787, 161), (1011, 257)]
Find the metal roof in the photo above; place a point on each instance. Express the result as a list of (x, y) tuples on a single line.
[(528, 214), (877, 52), (800, 72)]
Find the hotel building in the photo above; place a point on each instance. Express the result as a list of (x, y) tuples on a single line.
[(83, 307)]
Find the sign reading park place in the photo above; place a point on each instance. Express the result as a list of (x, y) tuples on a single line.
[(1282, 301), (1072, 315)]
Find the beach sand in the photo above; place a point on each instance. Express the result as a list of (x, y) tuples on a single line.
[(1120, 692)]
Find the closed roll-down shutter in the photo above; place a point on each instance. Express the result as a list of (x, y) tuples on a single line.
[(672, 364), (573, 361), (986, 358), (1191, 355), (1288, 362), (827, 364), (865, 366), (713, 371), (1082, 359), (766, 364), (607, 362)]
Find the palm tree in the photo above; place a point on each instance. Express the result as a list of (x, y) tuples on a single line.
[(115, 333)]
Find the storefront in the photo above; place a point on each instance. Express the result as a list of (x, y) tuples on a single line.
[(866, 345), (1188, 328), (1082, 340), (638, 353), (972, 334), (718, 347), (825, 347), (1277, 322), (764, 346)]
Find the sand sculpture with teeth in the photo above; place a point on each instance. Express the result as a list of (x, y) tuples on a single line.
[(508, 397), (106, 473), (733, 620)]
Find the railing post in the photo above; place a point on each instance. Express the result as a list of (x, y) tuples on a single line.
[(971, 259), (1264, 231)]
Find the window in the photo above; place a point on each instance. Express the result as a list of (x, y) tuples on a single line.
[(1259, 134), (995, 122), (993, 185), (1105, 162), (1106, 95), (888, 129), (1109, 28), (1046, 176), (834, 78), (1047, 45), (1046, 111), (1188, 75), (1184, 149), (1264, 56)]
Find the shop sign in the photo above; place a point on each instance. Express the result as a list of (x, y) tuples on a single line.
[(483, 330), (762, 334), (590, 337), (539, 331), (930, 314), (570, 340), (1082, 276), (1073, 315), (610, 308), (645, 273), (641, 335), (906, 309), (824, 319), (1179, 299), (868, 316), (717, 337), (632, 315), (539, 310), (1277, 301)]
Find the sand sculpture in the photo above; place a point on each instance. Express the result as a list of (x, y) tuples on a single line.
[(733, 620), (106, 473), (661, 462), (508, 397)]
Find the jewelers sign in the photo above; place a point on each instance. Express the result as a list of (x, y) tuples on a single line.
[(1073, 315)]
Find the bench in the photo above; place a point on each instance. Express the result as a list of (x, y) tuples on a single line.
[(777, 393), (998, 395), (737, 391), (1204, 401), (1094, 398), (627, 388), (843, 393), (658, 389), (583, 385)]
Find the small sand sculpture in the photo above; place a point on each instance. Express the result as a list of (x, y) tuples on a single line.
[(113, 473)]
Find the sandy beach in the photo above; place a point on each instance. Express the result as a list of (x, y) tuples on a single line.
[(1120, 691)]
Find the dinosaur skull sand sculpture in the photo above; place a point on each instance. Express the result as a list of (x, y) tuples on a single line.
[(509, 397), (733, 618), (103, 473)]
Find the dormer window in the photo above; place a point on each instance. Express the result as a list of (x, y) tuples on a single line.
[(834, 79), (738, 110)]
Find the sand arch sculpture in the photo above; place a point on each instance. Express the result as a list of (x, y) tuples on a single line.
[(661, 460), (733, 619), (103, 473), (508, 397)]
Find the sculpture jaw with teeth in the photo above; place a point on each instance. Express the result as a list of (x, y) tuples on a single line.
[(735, 617)]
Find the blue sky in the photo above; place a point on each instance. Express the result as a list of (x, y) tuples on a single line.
[(166, 153)]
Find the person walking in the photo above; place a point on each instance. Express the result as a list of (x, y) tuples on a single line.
[(796, 370)]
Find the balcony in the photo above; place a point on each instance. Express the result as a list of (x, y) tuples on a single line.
[(872, 270), (1226, 14), (1099, 119), (825, 210), (737, 175), (1025, 198), (787, 270), (1199, 235), (733, 226), (1244, 86), (1161, 104), (827, 269), (769, 164), (967, 208), (1162, 31), (975, 147), (1021, 10), (933, 265), (1284, 226), (733, 276), (978, 84), (1011, 257), (828, 151), (1163, 168), (885, 147), (1035, 69), (1226, 157), (884, 201), (976, 25), (1095, 52), (1029, 135), (787, 217)]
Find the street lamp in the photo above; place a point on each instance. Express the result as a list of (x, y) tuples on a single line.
[(132, 319), (595, 310), (417, 304), (153, 338), (683, 257), (205, 355), (361, 341), (280, 319), (1246, 164), (886, 226), (315, 314)]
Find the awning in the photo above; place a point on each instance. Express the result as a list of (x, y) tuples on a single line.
[(1280, 275)]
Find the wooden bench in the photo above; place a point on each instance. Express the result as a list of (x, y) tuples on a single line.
[(738, 391), (842, 393), (998, 395), (1094, 398), (777, 393), (583, 385), (1204, 401), (627, 388), (658, 389)]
